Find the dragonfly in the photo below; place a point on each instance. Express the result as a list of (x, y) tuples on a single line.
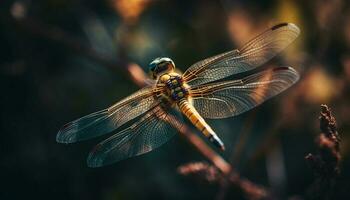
[(144, 120)]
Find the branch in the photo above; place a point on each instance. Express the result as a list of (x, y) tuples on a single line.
[(325, 163), (210, 174)]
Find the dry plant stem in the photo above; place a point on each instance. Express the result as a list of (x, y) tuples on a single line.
[(202, 147), (250, 189), (208, 173), (325, 163)]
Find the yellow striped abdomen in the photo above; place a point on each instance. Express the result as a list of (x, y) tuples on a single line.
[(196, 119)]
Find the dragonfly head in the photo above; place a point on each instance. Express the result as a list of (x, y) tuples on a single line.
[(160, 66)]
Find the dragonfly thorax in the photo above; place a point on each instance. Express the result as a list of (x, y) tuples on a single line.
[(176, 89)]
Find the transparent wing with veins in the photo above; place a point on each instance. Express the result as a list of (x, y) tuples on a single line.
[(253, 54), (231, 98), (154, 129), (107, 120)]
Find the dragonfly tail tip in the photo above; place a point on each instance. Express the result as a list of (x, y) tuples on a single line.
[(222, 148)]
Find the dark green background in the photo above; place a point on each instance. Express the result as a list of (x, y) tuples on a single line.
[(44, 84)]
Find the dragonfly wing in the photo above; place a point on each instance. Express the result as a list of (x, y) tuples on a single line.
[(231, 98), (107, 120), (253, 54), (150, 132)]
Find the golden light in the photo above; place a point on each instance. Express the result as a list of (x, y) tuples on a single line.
[(130, 10), (240, 27), (289, 11), (318, 87), (18, 10)]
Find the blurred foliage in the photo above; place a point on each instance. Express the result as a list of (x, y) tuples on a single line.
[(48, 81)]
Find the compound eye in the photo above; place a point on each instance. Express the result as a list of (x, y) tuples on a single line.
[(161, 67)]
